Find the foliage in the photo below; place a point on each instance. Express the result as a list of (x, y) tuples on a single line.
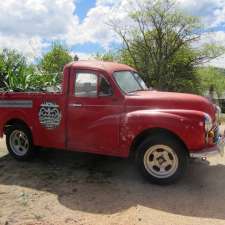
[(109, 56), (30, 80), (181, 74), (159, 45), (55, 59), (212, 79), (11, 63), (17, 75), (18, 82)]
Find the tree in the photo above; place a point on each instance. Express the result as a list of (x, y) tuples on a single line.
[(212, 81), (55, 60), (109, 56), (159, 45)]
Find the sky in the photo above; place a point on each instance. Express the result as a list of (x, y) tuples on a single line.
[(30, 26)]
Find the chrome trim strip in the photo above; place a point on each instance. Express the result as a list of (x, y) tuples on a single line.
[(101, 105), (75, 105), (80, 105), (16, 103)]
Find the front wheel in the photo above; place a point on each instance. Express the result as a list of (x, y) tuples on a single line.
[(19, 142), (162, 159)]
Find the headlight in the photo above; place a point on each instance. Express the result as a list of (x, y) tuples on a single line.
[(208, 123), (218, 112)]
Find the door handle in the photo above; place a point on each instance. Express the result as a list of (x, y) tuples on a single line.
[(75, 105)]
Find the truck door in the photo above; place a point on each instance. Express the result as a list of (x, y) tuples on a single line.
[(94, 113)]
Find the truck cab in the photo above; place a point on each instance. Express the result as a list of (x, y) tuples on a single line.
[(106, 108)]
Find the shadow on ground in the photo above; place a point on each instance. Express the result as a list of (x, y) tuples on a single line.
[(108, 185)]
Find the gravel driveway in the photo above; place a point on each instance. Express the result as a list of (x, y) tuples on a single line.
[(75, 188)]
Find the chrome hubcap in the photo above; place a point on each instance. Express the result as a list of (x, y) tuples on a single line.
[(161, 161), (19, 142)]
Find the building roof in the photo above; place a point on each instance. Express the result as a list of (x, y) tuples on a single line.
[(109, 67)]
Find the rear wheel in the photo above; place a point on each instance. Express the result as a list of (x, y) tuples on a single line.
[(162, 159), (19, 142)]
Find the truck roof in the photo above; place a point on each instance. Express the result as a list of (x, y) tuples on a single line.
[(109, 67)]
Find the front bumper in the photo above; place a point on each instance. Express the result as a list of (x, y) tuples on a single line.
[(217, 149)]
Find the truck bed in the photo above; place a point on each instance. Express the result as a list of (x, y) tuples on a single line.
[(36, 109)]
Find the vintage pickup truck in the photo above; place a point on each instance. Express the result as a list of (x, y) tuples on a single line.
[(106, 108)]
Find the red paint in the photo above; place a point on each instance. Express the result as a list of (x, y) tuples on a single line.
[(109, 125)]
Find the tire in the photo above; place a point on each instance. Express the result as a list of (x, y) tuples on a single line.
[(19, 142), (162, 159)]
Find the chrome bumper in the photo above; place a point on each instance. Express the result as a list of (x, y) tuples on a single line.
[(212, 151)]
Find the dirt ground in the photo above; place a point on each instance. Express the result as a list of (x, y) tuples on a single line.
[(74, 188)]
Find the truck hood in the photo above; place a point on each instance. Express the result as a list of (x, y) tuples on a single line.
[(170, 100)]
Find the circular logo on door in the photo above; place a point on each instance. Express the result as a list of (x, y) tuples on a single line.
[(49, 115)]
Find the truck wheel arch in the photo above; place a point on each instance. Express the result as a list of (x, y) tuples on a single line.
[(153, 131), (15, 121)]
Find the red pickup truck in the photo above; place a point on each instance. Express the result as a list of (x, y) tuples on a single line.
[(106, 108)]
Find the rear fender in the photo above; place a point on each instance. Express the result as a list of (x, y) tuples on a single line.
[(15, 115)]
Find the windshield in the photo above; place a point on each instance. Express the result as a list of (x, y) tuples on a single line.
[(129, 81)]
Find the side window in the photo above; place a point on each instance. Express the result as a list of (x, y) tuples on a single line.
[(104, 87), (86, 85)]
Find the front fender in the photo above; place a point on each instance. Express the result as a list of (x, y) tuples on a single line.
[(186, 124)]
